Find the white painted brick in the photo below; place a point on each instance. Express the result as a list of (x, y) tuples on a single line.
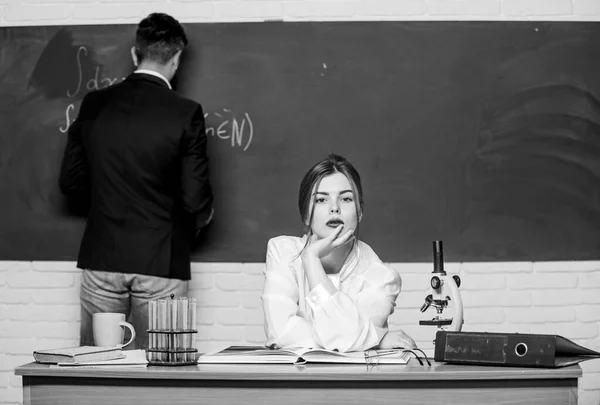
[(485, 315), (4, 379), (243, 10), (411, 299), (16, 381), (464, 7), (590, 382), (589, 397), (590, 280), (384, 9), (26, 346), (537, 7), (38, 13), (240, 317), (205, 316), (545, 281), (497, 267), (34, 313), (582, 331), (588, 313), (320, 9), (11, 396), (106, 11), (556, 297), (589, 366), (192, 11), (496, 299), (540, 315), (424, 269), (70, 267), (481, 282), (240, 282), (582, 266), (15, 296), (201, 281), (42, 329), (55, 296), (221, 333), (12, 265), (217, 268), (215, 299), (590, 296), (251, 300), (2, 314), (127, 1), (587, 7), (31, 279), (495, 327), (416, 282), (255, 334), (253, 268), (11, 361), (3, 274)]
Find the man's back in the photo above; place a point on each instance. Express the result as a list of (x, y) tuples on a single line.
[(136, 135)]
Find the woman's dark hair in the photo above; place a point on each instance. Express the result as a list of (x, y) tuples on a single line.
[(158, 38), (311, 180)]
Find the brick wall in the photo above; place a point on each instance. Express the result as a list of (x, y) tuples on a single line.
[(39, 304)]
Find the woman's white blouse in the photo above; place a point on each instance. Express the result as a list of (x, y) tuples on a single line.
[(347, 312)]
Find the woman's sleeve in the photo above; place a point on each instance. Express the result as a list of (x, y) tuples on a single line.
[(283, 327), (341, 323)]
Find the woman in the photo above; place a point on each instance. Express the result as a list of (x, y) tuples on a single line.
[(328, 289)]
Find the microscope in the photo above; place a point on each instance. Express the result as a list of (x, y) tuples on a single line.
[(444, 290)]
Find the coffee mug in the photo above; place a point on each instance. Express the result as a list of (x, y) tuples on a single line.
[(109, 331)]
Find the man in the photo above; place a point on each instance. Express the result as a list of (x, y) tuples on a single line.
[(138, 151)]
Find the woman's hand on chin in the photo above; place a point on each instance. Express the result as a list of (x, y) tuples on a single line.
[(323, 247), (397, 339)]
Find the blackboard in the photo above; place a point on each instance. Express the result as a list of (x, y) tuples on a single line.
[(485, 135)]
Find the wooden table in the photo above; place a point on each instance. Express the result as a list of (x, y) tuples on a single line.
[(310, 384)]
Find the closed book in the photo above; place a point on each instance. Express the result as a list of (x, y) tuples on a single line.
[(79, 354), (509, 349)]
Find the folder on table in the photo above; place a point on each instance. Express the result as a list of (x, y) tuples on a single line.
[(509, 349)]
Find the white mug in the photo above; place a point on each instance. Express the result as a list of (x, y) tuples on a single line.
[(109, 331)]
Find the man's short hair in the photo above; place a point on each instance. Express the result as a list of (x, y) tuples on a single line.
[(158, 38)]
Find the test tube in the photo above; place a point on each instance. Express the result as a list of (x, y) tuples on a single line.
[(184, 327), (192, 326), (162, 325), (152, 338)]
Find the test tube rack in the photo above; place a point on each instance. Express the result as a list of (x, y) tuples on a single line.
[(171, 336)]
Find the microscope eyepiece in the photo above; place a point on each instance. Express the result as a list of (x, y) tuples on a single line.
[(438, 257)]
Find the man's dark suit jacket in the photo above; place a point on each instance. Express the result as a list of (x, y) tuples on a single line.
[(138, 149)]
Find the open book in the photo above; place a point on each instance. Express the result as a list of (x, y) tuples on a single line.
[(297, 355)]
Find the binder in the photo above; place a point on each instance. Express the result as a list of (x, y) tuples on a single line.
[(509, 349)]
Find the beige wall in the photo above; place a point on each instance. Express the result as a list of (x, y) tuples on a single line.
[(39, 300)]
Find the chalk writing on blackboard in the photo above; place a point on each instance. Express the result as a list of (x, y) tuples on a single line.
[(238, 132), (96, 82)]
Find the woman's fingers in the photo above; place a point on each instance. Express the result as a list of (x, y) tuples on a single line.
[(345, 238)]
